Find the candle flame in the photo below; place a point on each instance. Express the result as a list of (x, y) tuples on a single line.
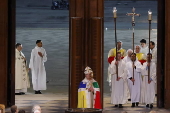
[(114, 9), (149, 12)]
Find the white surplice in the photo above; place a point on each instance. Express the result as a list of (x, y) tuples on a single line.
[(21, 74), (148, 90), (154, 55), (154, 59), (118, 88), (38, 68), (109, 75), (112, 53), (127, 59), (136, 88), (144, 50)]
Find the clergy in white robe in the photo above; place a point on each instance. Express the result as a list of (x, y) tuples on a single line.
[(144, 48), (153, 51), (126, 59), (21, 74), (154, 57), (118, 85), (141, 57), (148, 87), (38, 57), (111, 57), (136, 88)]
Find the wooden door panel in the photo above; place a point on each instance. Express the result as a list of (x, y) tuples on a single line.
[(96, 46), (167, 54), (76, 59), (3, 50)]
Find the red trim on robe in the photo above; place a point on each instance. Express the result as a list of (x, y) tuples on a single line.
[(142, 61), (110, 59), (97, 104)]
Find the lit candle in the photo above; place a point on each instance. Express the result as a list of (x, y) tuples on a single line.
[(114, 12), (149, 15)]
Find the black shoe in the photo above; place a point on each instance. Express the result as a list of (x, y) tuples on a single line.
[(39, 92), (116, 105), (151, 106), (17, 93), (120, 106), (22, 93), (36, 92), (137, 103), (133, 105), (129, 99), (147, 105)]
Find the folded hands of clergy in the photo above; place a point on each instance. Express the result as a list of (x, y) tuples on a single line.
[(116, 63), (91, 89), (148, 64), (149, 81), (133, 66), (132, 79), (118, 78), (40, 54)]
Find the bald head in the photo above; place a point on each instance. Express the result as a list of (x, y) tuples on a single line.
[(36, 109), (137, 49), (129, 52)]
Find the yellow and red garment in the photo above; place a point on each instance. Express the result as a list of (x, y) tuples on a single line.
[(110, 59), (113, 54), (141, 58)]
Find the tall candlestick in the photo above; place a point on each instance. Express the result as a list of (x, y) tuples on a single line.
[(149, 15), (114, 12)]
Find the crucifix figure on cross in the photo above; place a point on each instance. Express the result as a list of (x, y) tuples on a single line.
[(133, 14)]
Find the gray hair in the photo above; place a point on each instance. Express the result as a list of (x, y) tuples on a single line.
[(138, 45), (129, 50), (36, 108)]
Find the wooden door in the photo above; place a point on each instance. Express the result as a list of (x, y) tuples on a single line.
[(7, 50), (167, 54), (86, 34), (3, 50)]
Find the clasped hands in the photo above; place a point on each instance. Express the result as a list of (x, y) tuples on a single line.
[(149, 81), (118, 78), (133, 80), (40, 54), (133, 66), (91, 89), (116, 63)]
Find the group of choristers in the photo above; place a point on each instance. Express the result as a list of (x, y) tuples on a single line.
[(128, 75)]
